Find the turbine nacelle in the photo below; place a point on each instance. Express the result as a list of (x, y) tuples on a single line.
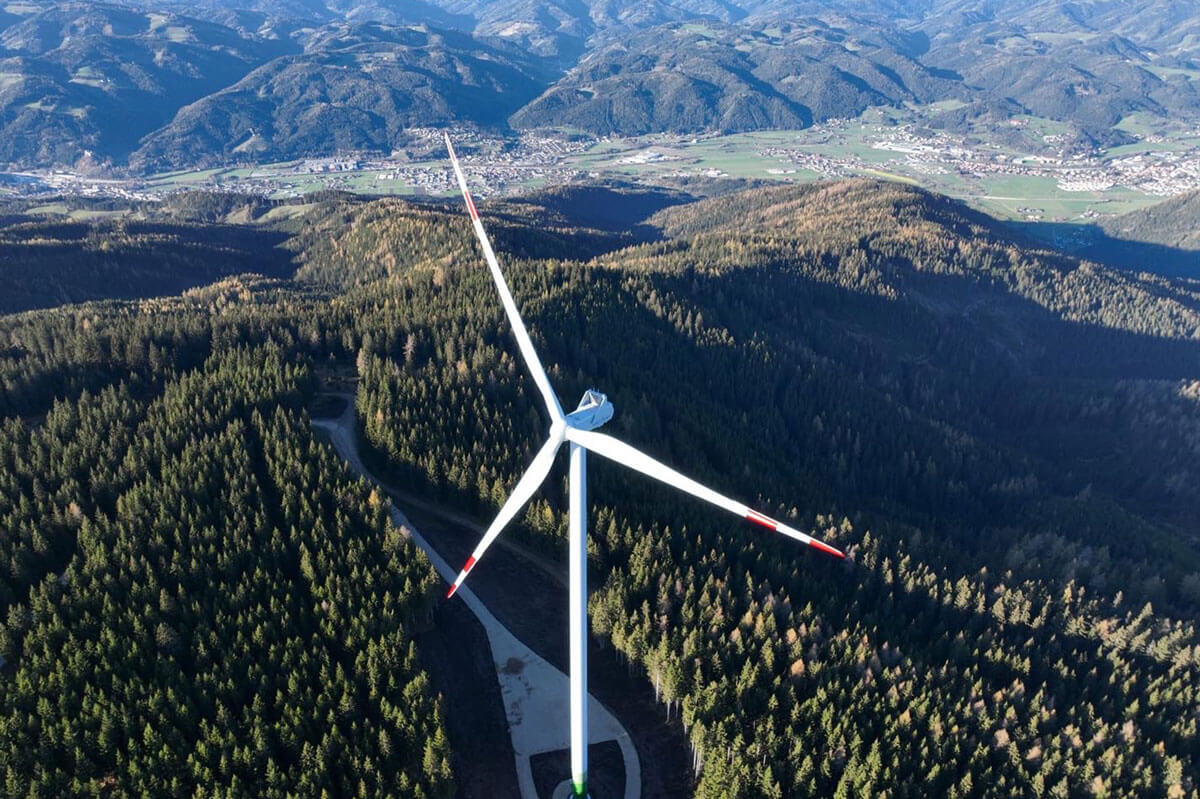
[(594, 411)]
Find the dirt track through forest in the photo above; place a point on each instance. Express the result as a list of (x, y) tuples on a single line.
[(534, 691)]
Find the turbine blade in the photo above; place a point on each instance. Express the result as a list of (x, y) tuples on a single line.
[(617, 450), (510, 307), (529, 482)]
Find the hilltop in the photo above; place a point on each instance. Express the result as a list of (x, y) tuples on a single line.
[(1172, 223)]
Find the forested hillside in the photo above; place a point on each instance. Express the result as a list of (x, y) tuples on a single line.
[(198, 597), (1172, 223), (881, 366), (1004, 439)]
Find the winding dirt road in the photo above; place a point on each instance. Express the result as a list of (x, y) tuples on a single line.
[(534, 691)]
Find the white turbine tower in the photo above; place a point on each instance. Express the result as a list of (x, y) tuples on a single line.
[(577, 428)]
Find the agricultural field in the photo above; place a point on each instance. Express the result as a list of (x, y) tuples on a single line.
[(1029, 169)]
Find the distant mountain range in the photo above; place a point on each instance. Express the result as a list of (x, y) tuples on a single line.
[(354, 87), (686, 77), (173, 85), (78, 78)]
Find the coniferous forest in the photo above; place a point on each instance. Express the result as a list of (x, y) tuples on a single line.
[(199, 599)]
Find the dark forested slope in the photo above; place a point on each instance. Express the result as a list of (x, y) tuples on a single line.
[(48, 263)]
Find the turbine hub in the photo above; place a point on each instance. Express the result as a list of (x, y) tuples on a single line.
[(593, 411)]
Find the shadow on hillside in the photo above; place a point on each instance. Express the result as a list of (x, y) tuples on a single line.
[(956, 359), (1094, 243), (46, 264), (616, 208)]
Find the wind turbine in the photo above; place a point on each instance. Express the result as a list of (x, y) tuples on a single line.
[(577, 429)]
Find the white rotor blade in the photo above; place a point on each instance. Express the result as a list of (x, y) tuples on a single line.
[(510, 307), (617, 450), (529, 482)]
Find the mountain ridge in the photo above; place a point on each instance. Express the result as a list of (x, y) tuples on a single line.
[(603, 67), (354, 87)]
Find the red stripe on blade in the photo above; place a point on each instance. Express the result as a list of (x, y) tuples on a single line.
[(471, 207), (837, 553), (758, 518), (462, 575)]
